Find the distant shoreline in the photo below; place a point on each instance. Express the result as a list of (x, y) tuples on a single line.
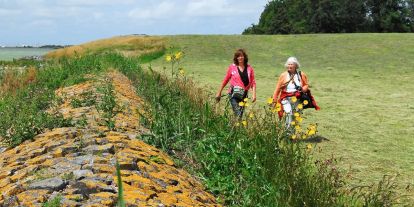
[(42, 46), (12, 53)]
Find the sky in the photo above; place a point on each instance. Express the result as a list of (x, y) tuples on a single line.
[(65, 22)]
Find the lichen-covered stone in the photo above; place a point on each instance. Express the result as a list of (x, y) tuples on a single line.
[(78, 163)]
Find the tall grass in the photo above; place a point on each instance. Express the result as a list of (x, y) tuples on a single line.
[(257, 165), (23, 112)]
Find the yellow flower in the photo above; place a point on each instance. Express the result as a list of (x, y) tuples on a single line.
[(244, 122), (237, 124), (246, 104), (296, 114), (245, 99), (297, 128), (251, 115), (299, 119), (181, 71), (293, 123), (168, 58), (293, 99), (241, 103), (304, 136), (278, 107), (311, 132), (300, 106), (305, 102), (309, 146), (178, 55), (270, 100), (294, 136)]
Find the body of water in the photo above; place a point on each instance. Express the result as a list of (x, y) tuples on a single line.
[(10, 53)]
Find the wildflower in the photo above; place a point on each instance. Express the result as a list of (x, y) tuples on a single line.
[(245, 99), (244, 122), (278, 107), (270, 100), (246, 104), (241, 103), (294, 136), (305, 102), (308, 146), (293, 99), (311, 132), (237, 124), (168, 58), (296, 114), (304, 136), (300, 106), (251, 115), (298, 128), (178, 55), (299, 119), (293, 123)]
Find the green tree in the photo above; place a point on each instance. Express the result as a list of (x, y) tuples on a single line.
[(334, 16), (389, 15)]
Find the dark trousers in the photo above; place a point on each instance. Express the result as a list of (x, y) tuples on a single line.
[(237, 109)]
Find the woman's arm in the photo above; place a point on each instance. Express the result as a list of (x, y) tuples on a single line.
[(253, 82), (223, 84), (305, 85), (278, 88)]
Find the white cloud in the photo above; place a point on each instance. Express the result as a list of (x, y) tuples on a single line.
[(95, 2), (82, 20), (164, 10), (209, 8)]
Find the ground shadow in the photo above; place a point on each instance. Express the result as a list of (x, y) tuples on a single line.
[(316, 139)]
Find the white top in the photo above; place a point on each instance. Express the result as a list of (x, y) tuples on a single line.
[(291, 87)]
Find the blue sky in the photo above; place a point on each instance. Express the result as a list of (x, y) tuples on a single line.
[(39, 22)]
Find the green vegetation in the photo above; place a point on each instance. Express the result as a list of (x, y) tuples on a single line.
[(108, 104), (121, 201), (253, 164), (334, 16), (55, 202), (361, 81)]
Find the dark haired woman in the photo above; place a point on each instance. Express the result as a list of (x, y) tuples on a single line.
[(241, 77)]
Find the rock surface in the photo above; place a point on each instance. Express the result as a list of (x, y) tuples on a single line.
[(78, 163)]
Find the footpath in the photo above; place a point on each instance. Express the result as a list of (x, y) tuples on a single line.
[(76, 165)]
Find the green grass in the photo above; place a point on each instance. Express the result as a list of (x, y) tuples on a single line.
[(361, 81), (254, 167)]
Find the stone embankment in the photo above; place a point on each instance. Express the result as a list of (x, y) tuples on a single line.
[(76, 165)]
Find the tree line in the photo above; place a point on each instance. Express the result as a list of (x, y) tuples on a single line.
[(334, 16)]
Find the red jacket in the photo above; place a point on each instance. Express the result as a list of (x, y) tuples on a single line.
[(233, 76)]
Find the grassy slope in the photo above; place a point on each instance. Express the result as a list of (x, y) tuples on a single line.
[(361, 81)]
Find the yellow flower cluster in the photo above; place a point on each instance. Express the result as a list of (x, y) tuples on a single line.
[(174, 57)]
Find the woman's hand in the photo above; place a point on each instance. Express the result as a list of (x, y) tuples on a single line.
[(218, 97)]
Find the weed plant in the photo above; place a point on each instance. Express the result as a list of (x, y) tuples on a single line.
[(55, 202), (108, 104)]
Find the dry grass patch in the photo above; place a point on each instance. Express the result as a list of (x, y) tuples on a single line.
[(130, 46), (13, 79)]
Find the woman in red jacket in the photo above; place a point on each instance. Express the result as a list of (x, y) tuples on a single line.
[(241, 77)]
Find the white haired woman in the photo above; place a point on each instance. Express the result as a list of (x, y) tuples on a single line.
[(291, 83)]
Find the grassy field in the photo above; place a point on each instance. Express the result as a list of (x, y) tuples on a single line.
[(362, 82)]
